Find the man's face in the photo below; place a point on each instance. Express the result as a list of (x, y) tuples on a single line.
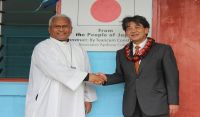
[(60, 29), (136, 32)]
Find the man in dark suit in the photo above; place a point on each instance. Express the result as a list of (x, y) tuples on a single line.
[(149, 71)]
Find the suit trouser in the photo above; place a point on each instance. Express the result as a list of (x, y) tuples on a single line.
[(138, 113)]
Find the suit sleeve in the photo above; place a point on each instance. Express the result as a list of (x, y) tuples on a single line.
[(171, 76), (116, 77)]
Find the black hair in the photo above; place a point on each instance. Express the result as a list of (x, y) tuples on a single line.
[(136, 19)]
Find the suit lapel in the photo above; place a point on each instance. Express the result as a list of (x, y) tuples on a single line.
[(145, 59), (129, 65)]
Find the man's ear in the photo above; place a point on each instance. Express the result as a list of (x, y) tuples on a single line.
[(49, 29), (126, 35), (146, 30)]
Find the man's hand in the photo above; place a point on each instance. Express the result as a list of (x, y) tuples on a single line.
[(173, 109), (96, 79), (102, 75), (88, 107)]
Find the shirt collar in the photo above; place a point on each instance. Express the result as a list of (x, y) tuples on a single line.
[(59, 42), (141, 44)]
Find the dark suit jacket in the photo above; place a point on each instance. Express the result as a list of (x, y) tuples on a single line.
[(157, 84)]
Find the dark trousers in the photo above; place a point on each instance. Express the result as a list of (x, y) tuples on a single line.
[(138, 113)]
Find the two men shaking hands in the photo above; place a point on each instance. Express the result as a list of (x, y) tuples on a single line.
[(98, 78)]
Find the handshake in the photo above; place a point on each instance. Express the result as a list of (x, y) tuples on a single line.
[(98, 78)]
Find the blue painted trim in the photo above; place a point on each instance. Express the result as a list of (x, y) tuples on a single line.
[(13, 89)]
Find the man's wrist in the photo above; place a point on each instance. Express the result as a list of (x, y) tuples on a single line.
[(86, 78)]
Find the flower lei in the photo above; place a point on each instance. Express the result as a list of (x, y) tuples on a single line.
[(141, 54)]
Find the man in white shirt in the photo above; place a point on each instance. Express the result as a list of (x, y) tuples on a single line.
[(59, 73)]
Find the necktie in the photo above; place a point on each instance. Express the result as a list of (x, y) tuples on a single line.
[(136, 63)]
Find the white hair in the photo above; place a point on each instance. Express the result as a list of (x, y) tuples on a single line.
[(58, 16)]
